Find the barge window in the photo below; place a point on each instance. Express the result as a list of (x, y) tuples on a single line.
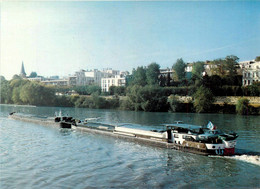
[(176, 136)]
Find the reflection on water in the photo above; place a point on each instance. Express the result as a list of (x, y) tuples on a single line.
[(34, 156)]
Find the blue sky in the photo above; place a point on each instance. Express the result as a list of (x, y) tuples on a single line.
[(59, 38)]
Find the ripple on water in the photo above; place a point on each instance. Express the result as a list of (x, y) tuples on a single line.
[(34, 156)]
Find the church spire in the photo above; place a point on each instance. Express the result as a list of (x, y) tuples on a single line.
[(22, 73)]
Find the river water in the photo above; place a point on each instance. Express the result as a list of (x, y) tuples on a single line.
[(36, 156)]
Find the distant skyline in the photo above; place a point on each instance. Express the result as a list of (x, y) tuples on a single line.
[(60, 38)]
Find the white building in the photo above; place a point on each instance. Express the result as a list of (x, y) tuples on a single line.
[(38, 78), (118, 80), (94, 77), (80, 78), (58, 82), (251, 73)]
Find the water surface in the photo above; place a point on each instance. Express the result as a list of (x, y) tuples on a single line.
[(35, 156)]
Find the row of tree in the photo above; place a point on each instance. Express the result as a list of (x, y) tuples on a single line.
[(146, 89)]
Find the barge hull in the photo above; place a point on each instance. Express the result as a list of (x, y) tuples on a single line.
[(40, 121), (150, 142)]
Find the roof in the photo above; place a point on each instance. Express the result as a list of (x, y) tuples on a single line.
[(185, 126)]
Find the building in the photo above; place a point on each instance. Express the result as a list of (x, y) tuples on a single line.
[(166, 72), (251, 73), (80, 78), (58, 82), (93, 77), (38, 78), (22, 72), (117, 80)]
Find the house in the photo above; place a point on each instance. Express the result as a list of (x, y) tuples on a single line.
[(251, 73)]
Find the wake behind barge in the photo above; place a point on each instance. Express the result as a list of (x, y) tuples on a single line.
[(179, 136)]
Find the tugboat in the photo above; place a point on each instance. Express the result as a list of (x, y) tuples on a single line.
[(196, 138)]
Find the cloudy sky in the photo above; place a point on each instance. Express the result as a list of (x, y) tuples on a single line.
[(59, 38)]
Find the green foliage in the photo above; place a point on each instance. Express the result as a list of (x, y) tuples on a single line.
[(242, 106), (16, 77), (179, 68), (63, 101), (231, 63), (152, 74), (5, 92), (257, 59), (33, 75), (175, 104), (36, 94), (86, 89), (254, 89), (225, 67), (217, 67), (126, 104), (139, 76), (203, 99), (197, 70), (148, 98), (117, 90), (96, 102)]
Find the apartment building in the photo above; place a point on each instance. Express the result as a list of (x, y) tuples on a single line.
[(117, 80)]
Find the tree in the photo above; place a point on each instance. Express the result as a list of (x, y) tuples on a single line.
[(36, 94), (168, 79), (148, 98), (117, 90), (254, 89), (230, 65), (5, 91), (217, 67), (179, 68), (203, 99), (152, 74), (175, 104), (33, 75), (257, 59), (242, 106), (16, 77), (139, 76), (197, 70), (2, 78), (162, 81)]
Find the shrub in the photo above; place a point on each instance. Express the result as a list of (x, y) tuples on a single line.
[(203, 99), (174, 103), (242, 106)]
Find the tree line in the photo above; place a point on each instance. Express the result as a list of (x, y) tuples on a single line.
[(146, 89)]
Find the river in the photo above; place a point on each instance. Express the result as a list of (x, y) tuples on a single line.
[(36, 156)]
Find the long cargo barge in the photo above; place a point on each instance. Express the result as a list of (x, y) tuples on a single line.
[(185, 137), (57, 121)]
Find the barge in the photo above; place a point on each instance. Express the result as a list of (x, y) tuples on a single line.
[(57, 121), (185, 137)]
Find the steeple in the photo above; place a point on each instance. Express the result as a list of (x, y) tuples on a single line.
[(22, 73)]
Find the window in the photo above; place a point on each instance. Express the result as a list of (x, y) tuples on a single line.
[(176, 136)]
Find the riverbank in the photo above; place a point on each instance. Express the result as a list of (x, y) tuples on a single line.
[(222, 100), (223, 105)]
